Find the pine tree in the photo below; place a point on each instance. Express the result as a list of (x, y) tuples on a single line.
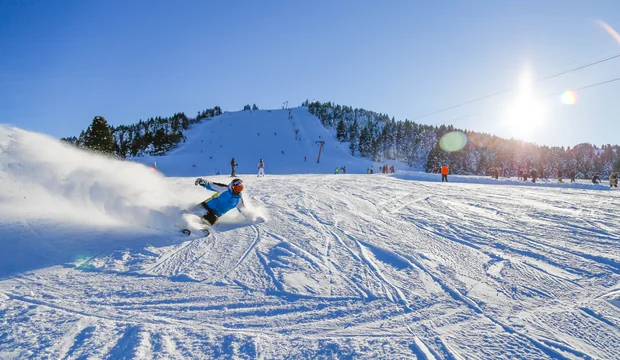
[(70, 140), (482, 165), (365, 143), (353, 137), (98, 136), (341, 131), (353, 147), (354, 130), (436, 158), (254, 107)]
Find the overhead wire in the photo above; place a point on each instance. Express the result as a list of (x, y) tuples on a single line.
[(515, 88), (548, 96)]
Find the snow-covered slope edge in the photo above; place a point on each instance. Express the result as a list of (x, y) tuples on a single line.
[(286, 143), (62, 199)]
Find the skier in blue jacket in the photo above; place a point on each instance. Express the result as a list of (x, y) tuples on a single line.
[(226, 198)]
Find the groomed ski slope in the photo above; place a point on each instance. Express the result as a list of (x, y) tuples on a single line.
[(332, 266), (251, 135)]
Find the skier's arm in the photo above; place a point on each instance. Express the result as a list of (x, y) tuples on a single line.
[(243, 209), (217, 187)]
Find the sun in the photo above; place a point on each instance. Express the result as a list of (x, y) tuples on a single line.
[(525, 114)]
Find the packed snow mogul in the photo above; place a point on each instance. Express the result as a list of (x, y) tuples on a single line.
[(226, 198)]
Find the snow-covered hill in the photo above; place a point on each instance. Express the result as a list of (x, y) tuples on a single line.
[(343, 266), (283, 141)]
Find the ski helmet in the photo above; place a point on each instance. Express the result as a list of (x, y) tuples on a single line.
[(237, 186)]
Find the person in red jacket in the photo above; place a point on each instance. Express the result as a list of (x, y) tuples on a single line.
[(444, 173)]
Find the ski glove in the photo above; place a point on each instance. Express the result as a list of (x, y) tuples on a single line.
[(201, 182)]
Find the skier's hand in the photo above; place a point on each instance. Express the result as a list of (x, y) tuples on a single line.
[(201, 182)]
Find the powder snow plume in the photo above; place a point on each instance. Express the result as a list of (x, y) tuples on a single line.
[(42, 176)]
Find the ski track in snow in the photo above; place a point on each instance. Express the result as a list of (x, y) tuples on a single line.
[(342, 268), (337, 266)]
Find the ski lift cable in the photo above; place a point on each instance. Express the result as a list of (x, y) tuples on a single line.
[(548, 96), (512, 89)]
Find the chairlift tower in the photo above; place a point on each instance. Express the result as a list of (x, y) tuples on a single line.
[(321, 143)]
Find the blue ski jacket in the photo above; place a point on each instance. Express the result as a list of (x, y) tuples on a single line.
[(224, 200)]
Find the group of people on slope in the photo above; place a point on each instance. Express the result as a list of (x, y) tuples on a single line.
[(534, 174), (613, 179), (385, 169), (523, 174), (233, 168)]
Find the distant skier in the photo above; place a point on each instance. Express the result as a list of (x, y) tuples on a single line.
[(261, 168), (534, 174), (336, 171), (572, 176), (233, 167), (444, 173), (613, 180), (227, 197), (596, 179)]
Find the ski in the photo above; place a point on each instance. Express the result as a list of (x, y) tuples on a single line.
[(188, 232)]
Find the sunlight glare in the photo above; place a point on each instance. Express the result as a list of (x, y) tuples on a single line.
[(526, 113)]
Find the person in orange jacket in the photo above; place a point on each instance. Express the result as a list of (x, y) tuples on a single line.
[(444, 173)]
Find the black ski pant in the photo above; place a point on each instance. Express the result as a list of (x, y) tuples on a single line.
[(444, 178), (210, 216)]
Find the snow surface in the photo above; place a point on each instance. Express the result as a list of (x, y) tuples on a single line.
[(332, 266), (251, 135)]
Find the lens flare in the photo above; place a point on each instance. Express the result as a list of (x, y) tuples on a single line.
[(609, 30), (569, 97), (453, 141)]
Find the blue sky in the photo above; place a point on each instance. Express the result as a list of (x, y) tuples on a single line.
[(64, 62)]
